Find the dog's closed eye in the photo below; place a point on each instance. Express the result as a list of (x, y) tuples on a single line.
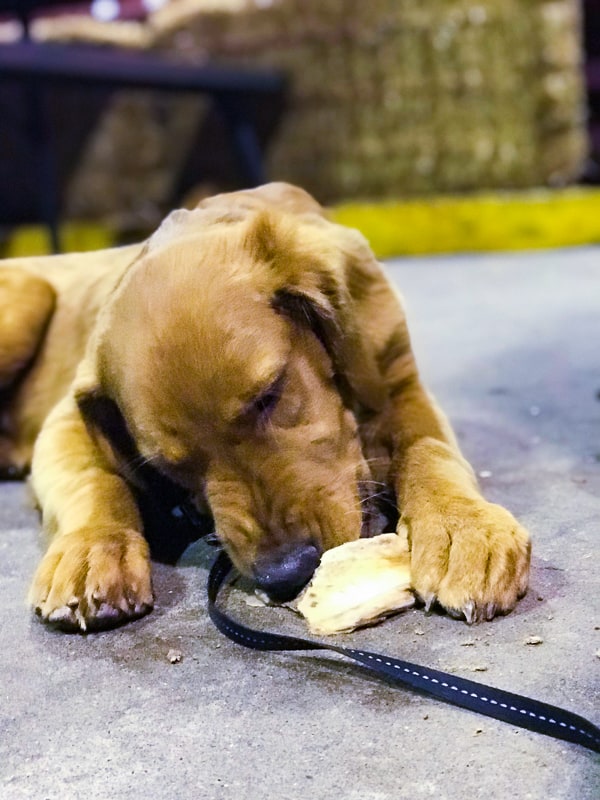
[(261, 408)]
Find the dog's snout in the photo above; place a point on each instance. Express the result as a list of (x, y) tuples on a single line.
[(284, 572)]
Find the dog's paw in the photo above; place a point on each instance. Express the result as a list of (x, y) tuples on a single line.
[(470, 556), (93, 579)]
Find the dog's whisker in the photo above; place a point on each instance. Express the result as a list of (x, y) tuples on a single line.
[(368, 498), (341, 476), (140, 461), (365, 512), (351, 468)]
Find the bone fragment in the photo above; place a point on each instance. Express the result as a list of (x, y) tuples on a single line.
[(357, 584)]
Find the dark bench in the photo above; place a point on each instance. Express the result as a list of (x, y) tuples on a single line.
[(237, 95)]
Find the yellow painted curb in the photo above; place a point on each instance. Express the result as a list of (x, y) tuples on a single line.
[(75, 237), (483, 222), (444, 224)]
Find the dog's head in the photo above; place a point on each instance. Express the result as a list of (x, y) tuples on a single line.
[(230, 360)]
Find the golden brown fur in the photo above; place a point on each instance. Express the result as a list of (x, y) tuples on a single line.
[(254, 354)]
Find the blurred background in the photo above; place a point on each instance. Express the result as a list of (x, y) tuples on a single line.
[(438, 125)]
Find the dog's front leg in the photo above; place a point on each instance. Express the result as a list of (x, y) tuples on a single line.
[(96, 571), (469, 555)]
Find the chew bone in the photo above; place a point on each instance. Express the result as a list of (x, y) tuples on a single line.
[(358, 583)]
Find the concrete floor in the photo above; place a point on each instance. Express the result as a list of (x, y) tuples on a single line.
[(511, 346)]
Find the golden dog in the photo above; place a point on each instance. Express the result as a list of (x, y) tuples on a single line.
[(252, 354)]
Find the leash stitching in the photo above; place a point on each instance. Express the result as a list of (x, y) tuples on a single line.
[(483, 699), (270, 641)]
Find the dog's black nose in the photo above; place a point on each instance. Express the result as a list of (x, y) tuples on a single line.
[(284, 572)]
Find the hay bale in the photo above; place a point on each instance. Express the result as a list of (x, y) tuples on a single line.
[(396, 98), (130, 164)]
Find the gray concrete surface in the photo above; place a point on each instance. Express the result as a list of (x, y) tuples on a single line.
[(511, 346)]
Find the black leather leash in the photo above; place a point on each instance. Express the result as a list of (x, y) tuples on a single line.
[(521, 711)]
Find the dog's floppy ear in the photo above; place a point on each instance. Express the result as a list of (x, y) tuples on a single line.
[(353, 364), (312, 289), (108, 428), (158, 497)]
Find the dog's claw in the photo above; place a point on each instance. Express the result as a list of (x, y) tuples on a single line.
[(429, 603), (490, 611), (470, 612)]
